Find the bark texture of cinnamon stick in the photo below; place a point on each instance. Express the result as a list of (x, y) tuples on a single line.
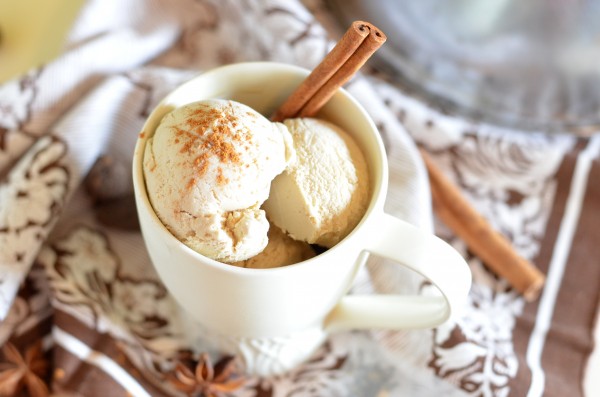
[(488, 244), (359, 42)]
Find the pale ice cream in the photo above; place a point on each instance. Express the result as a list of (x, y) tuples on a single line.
[(208, 169), (324, 191), (281, 250)]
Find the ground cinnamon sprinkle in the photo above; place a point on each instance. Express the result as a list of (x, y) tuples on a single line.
[(221, 146), (221, 180), (191, 183), (191, 139), (214, 134), (201, 163)]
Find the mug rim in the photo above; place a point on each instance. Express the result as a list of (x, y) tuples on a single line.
[(378, 189)]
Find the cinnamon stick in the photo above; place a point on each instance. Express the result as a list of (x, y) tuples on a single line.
[(485, 242), (370, 44), (335, 59)]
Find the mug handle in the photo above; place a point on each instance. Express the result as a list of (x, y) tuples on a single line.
[(422, 252)]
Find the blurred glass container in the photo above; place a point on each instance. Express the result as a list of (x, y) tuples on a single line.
[(33, 32), (531, 65)]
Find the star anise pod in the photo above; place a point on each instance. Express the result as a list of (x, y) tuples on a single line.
[(23, 371), (206, 380)]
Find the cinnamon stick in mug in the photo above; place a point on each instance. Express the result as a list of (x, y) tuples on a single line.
[(369, 45), (359, 42)]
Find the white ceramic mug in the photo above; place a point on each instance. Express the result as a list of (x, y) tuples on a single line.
[(276, 318)]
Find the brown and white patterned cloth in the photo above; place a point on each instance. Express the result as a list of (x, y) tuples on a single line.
[(84, 314)]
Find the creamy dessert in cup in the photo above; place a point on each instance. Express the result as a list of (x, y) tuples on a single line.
[(324, 191), (208, 168), (211, 164), (275, 318)]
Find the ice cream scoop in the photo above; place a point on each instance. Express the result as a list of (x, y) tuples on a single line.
[(208, 169), (281, 250), (324, 191)]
